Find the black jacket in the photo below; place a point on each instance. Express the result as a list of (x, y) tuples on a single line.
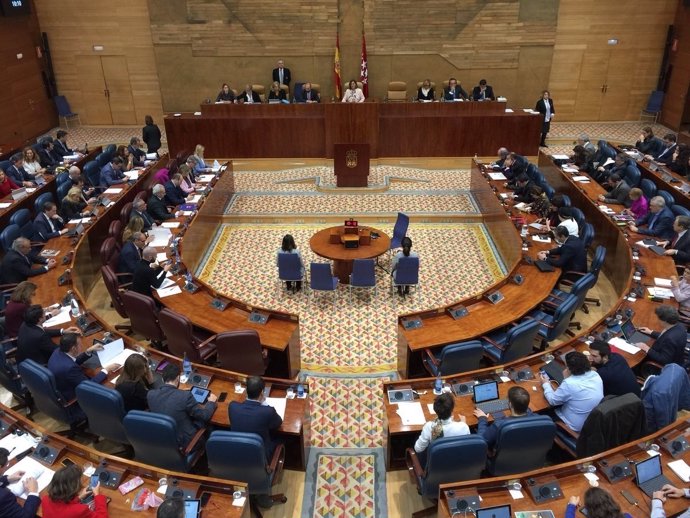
[(17, 267), (34, 343), (145, 277), (157, 209), (669, 347)]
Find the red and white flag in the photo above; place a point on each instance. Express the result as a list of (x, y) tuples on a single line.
[(364, 69)]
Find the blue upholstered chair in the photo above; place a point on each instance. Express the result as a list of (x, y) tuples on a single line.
[(632, 175), (399, 231), (20, 217), (579, 217), (454, 358), (511, 344), (242, 457), (154, 439), (679, 210), (92, 172), (667, 196), (42, 200), (321, 279), (104, 409), (587, 235), (648, 188), (8, 235), (62, 177), (406, 273), (522, 445), (552, 326), (64, 111), (290, 268), (363, 275)]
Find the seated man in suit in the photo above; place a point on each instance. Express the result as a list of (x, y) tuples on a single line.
[(9, 507), (583, 140), (60, 146), (18, 261), (130, 255), (518, 405), (156, 206), (618, 191), (483, 92), (578, 394), (513, 166), (669, 343), (502, 153), (112, 174), (174, 195), (658, 221), (678, 247), (139, 209), (48, 224), (138, 153), (78, 180), (17, 173), (620, 162), (34, 342), (65, 364), (569, 256), (454, 91), (615, 373), (665, 155), (148, 273), (47, 156), (309, 95), (525, 190), (248, 96), (189, 415), (648, 143)]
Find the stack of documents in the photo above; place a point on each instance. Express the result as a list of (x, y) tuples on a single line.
[(31, 468), (621, 344), (114, 352), (411, 413)]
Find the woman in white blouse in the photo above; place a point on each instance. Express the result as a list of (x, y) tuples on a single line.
[(353, 94), (31, 163)]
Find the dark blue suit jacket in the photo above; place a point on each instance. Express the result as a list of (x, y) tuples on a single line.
[(662, 224), (174, 195), (9, 508), (252, 417), (18, 175), (68, 373), (42, 231), (109, 176), (129, 258), (148, 220), (61, 149), (570, 256), (670, 346)]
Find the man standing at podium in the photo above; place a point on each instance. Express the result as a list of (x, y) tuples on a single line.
[(282, 74)]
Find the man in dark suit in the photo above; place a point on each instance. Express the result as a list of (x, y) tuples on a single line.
[(248, 96), (658, 221), (679, 246), (171, 508), (669, 343), (665, 155), (138, 153), (9, 507), (130, 255), (253, 416), (112, 174), (618, 195), (189, 415), (309, 95), (483, 92), (60, 146), (174, 195), (545, 107), (47, 156), (17, 173), (139, 209), (525, 190), (613, 370), (569, 256), (156, 206), (34, 342), (454, 91), (65, 364), (148, 273), (48, 224), (518, 406), (648, 143), (282, 74), (18, 261)]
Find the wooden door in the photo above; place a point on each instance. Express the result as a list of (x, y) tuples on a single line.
[(94, 91), (592, 78), (119, 89), (619, 81)]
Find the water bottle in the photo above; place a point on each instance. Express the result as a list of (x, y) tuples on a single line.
[(523, 231), (186, 367), (188, 278), (438, 386), (75, 308), (300, 390)]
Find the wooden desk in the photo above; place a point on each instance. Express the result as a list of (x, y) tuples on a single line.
[(327, 243), (220, 504), (493, 491)]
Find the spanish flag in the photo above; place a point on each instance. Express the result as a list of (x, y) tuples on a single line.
[(336, 69)]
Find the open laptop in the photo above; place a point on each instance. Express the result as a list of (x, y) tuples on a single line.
[(39, 181), (649, 476), (498, 511), (486, 398), (631, 334), (77, 231)]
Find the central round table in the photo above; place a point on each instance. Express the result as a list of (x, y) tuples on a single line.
[(326, 243)]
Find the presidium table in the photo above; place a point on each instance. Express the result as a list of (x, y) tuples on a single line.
[(344, 244), (390, 129)]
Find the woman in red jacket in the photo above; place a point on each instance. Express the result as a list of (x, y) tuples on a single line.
[(6, 185), (64, 493)]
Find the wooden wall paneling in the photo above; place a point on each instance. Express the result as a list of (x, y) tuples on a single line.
[(93, 98), (676, 95), (116, 77)]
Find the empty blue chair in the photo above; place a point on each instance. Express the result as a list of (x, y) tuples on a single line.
[(632, 175), (62, 177), (20, 217), (667, 196), (363, 275), (406, 273), (42, 200), (566, 200), (648, 188), (552, 326), (102, 159), (516, 342), (110, 150), (522, 445), (4, 164), (679, 210), (654, 103), (548, 191), (92, 172), (290, 269), (531, 169), (579, 217), (104, 409), (454, 358), (538, 178), (62, 191), (242, 457), (399, 231), (321, 279), (154, 439), (64, 111), (8, 235), (587, 235)]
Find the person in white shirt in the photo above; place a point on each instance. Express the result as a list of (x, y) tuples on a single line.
[(442, 426), (31, 163), (353, 94)]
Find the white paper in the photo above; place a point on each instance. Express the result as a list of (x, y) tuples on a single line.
[(121, 358), (411, 413), (560, 157), (504, 195), (169, 291), (61, 318), (77, 221), (205, 178), (167, 283), (30, 189), (187, 212), (132, 175), (653, 453), (32, 468), (110, 351), (681, 469), (663, 283), (497, 176), (161, 236), (505, 379), (151, 156), (516, 494), (570, 169), (216, 165), (17, 444), (239, 502), (521, 206), (581, 178), (5, 205), (430, 407), (279, 403), (170, 224), (621, 344), (113, 190), (642, 243), (541, 239), (71, 157), (538, 226), (161, 257), (591, 477), (608, 162), (508, 110), (194, 199), (662, 293)]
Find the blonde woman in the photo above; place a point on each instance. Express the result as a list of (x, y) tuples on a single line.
[(136, 224), (199, 155), (187, 183), (73, 205), (31, 163)]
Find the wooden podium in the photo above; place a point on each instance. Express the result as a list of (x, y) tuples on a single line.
[(351, 164)]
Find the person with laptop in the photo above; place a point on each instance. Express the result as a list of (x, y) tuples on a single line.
[(669, 343), (518, 405), (187, 413), (578, 394), (615, 373), (569, 256), (443, 426), (171, 508), (658, 222), (6, 184), (659, 498), (599, 504)]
